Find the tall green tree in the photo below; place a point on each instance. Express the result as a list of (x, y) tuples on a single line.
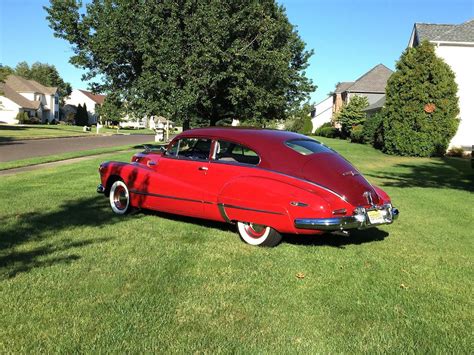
[(194, 61), (111, 110), (421, 110), (352, 114), (45, 74)]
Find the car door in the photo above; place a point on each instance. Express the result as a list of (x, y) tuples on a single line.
[(182, 174)]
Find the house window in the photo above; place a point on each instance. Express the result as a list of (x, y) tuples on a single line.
[(56, 99), (56, 114)]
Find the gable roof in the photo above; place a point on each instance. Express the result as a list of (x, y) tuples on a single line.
[(97, 98), (343, 86), (374, 81), (21, 101), (20, 84), (444, 32)]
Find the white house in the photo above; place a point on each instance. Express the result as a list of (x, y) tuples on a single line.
[(23, 95), (322, 113), (83, 97), (455, 44)]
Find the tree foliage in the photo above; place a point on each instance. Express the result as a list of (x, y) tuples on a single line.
[(421, 109), (197, 61), (43, 73), (352, 114), (300, 120), (111, 110)]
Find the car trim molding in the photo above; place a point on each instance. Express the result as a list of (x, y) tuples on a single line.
[(170, 197), (250, 209), (223, 213)]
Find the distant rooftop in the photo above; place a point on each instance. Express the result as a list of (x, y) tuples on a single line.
[(97, 98), (443, 32), (374, 81), (19, 84)]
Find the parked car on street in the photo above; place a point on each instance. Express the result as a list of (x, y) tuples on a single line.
[(267, 182)]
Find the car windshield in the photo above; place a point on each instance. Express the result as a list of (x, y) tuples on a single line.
[(307, 146)]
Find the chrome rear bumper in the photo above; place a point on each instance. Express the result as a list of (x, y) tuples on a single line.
[(359, 220)]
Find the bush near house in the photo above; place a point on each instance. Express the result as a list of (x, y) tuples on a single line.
[(357, 134), (421, 109), (372, 132), (327, 130), (352, 115), (301, 120)]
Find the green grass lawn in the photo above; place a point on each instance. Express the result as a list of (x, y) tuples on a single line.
[(17, 132), (76, 278)]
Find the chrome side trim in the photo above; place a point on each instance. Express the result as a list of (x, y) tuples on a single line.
[(223, 213), (250, 209), (170, 197)]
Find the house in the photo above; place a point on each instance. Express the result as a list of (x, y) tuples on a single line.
[(322, 113), (371, 85), (455, 45), (83, 97), (22, 95)]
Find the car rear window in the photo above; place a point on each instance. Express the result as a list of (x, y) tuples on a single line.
[(307, 146)]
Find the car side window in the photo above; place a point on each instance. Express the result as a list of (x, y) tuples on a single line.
[(235, 153), (190, 148)]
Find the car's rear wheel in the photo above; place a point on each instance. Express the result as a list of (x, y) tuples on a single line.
[(258, 234), (119, 197)]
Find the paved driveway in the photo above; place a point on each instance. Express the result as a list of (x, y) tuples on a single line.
[(15, 150)]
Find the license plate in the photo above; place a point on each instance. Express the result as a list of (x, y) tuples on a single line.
[(375, 217)]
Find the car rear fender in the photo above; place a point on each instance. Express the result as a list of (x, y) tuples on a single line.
[(269, 202)]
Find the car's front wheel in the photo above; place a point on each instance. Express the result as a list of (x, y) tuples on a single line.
[(257, 234), (119, 197)]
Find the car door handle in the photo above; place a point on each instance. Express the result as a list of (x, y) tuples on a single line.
[(203, 168)]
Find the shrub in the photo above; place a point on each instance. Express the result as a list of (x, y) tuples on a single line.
[(328, 132), (357, 134), (421, 108), (352, 114), (324, 125), (22, 117), (456, 152), (372, 132), (69, 118)]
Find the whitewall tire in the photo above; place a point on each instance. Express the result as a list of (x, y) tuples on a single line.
[(119, 197), (257, 234)]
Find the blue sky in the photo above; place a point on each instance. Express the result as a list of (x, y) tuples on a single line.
[(348, 36)]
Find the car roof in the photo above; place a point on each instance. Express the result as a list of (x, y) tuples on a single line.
[(268, 143), (252, 137)]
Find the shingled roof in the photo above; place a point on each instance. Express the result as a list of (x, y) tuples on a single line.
[(444, 32), (21, 101), (20, 84), (97, 98), (374, 81)]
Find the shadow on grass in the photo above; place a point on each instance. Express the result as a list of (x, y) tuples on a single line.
[(444, 173), (222, 226), (355, 237), (28, 227)]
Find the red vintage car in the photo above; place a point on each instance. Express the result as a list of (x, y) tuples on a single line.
[(267, 182)]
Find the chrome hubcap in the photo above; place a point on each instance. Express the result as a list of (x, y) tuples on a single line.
[(120, 197)]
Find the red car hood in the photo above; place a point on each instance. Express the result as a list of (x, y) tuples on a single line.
[(334, 172)]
